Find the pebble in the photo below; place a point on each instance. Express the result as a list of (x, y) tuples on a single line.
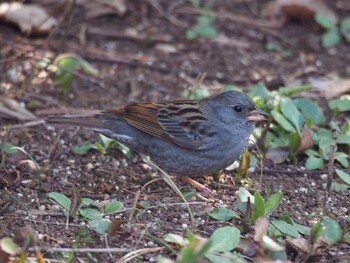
[(184, 226), (89, 166), (42, 208)]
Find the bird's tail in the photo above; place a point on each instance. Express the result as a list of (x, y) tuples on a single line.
[(92, 122)]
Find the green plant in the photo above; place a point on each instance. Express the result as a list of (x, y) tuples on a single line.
[(7, 148), (291, 122), (204, 27), (66, 67), (272, 46), (218, 248), (102, 146), (84, 209), (333, 34)]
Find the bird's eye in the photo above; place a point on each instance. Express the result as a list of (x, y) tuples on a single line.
[(237, 108)]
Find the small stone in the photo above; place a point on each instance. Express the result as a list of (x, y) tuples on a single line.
[(184, 226), (42, 208), (89, 166)]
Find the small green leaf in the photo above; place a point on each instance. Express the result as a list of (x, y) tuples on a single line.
[(90, 213), (290, 91), (84, 148), (145, 204), (244, 194), (273, 203), (260, 90), (223, 214), (61, 199), (343, 139), (325, 21), (331, 38), (281, 120), (188, 195), (313, 163), (332, 231), (8, 148), (343, 175), (8, 246), (225, 239), (316, 230), (176, 239), (342, 158), (259, 207), (337, 187), (113, 206), (285, 228), (345, 28), (106, 141), (310, 110), (100, 225), (291, 112), (124, 149), (87, 201), (295, 141), (342, 104), (88, 69), (191, 34)]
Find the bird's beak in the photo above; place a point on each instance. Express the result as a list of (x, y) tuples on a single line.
[(255, 115)]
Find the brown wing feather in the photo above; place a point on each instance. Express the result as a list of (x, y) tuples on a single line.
[(142, 116), (167, 121)]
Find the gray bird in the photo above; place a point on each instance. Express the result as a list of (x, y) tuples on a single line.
[(183, 137)]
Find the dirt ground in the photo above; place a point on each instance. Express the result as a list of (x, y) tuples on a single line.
[(137, 70)]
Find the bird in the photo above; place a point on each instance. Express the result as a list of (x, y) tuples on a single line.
[(190, 138)]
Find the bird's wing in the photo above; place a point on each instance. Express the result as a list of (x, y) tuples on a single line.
[(180, 122)]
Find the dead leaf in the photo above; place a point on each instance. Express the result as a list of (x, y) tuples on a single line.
[(306, 141), (27, 167), (261, 226), (303, 247), (11, 109), (298, 9), (25, 237), (331, 87), (30, 18), (10, 179), (243, 165), (277, 154), (97, 8)]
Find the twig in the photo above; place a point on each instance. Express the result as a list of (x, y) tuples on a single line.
[(24, 125), (54, 144), (330, 166), (133, 254), (81, 250), (231, 17), (130, 37), (171, 19), (133, 210), (67, 16)]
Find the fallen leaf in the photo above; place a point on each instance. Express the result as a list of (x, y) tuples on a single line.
[(261, 227), (298, 9), (10, 179), (277, 154), (303, 247), (31, 19), (331, 87), (306, 141), (97, 8), (11, 109)]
